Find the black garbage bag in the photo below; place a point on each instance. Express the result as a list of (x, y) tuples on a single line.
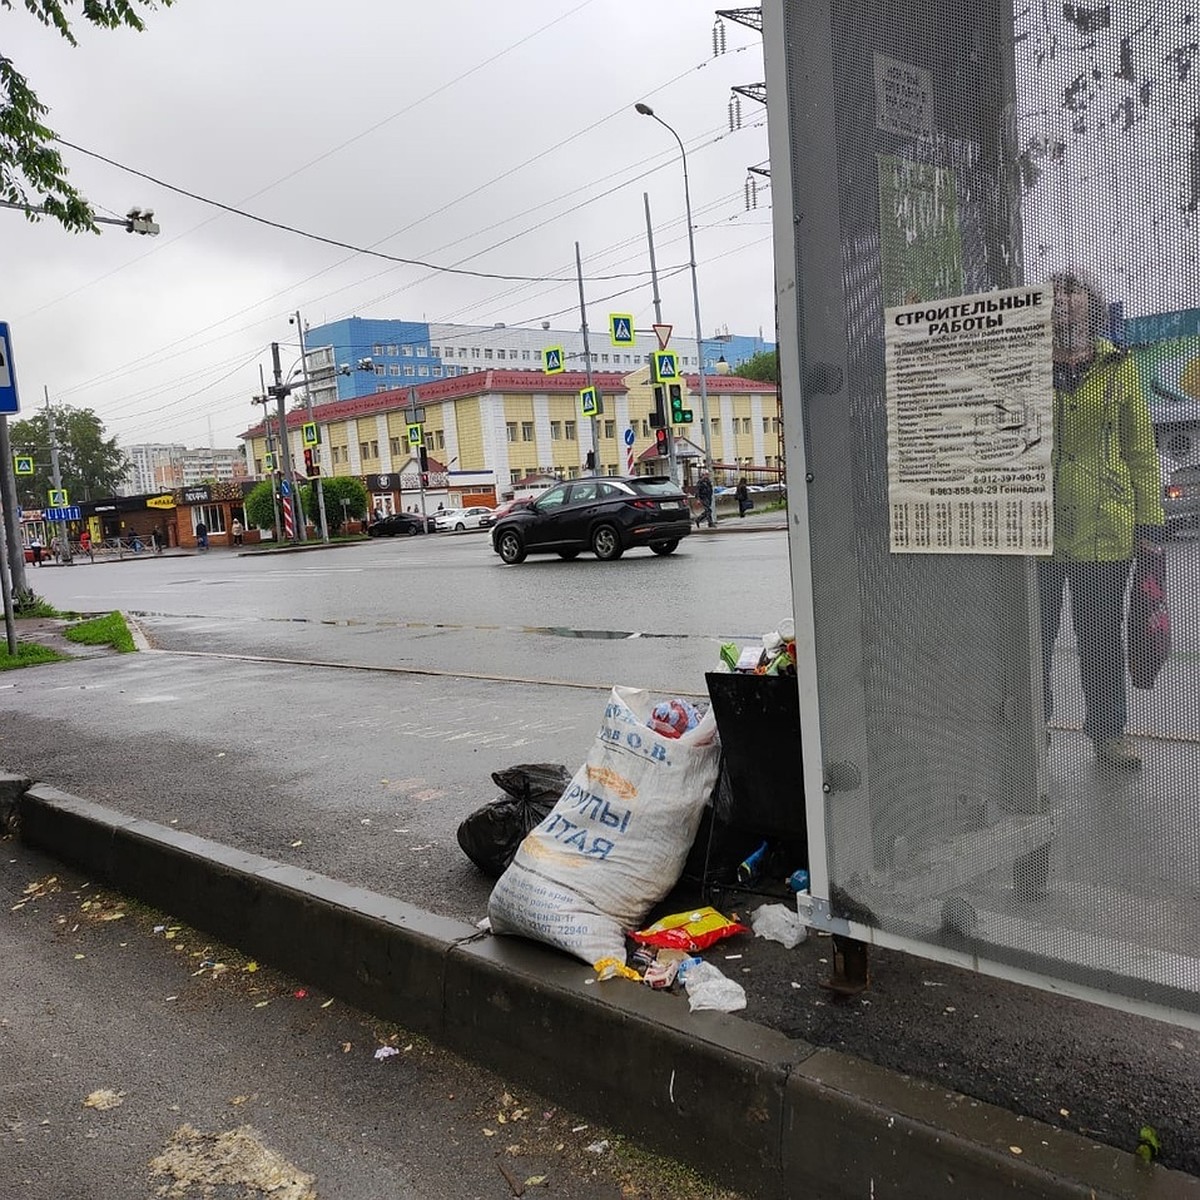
[(489, 837)]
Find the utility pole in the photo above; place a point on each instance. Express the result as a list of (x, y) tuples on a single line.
[(10, 628), (11, 508), (290, 495), (64, 539), (416, 416), (263, 400), (587, 358), (672, 466), (308, 410)]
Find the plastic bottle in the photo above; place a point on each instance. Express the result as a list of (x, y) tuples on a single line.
[(751, 867), (798, 880)]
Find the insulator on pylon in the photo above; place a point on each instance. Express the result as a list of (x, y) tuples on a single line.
[(751, 192), (718, 37), (735, 113)]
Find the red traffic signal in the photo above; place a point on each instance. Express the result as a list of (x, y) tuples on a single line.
[(662, 442), (310, 468)]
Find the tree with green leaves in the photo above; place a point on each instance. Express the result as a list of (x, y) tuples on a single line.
[(337, 488), (31, 169), (91, 466), (259, 510), (763, 366)]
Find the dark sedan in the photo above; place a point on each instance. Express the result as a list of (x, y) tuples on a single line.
[(397, 525), (606, 516)]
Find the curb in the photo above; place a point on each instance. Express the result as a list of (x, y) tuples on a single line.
[(769, 1116)]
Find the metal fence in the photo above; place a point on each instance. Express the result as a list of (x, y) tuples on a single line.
[(987, 254)]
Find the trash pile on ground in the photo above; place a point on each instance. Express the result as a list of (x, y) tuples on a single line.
[(582, 860)]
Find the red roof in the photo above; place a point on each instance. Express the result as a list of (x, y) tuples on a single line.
[(478, 383)]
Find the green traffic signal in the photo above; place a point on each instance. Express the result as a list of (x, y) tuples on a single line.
[(677, 409)]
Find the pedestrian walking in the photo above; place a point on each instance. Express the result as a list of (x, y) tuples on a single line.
[(704, 493), (237, 529), (55, 548), (85, 544), (744, 503), (201, 536), (156, 539), (35, 544), (1107, 503)]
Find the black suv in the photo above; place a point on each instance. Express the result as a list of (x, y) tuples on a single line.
[(606, 516)]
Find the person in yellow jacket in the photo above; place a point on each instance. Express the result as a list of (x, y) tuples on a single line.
[(1107, 500)]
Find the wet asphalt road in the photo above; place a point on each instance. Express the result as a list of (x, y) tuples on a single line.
[(365, 775)]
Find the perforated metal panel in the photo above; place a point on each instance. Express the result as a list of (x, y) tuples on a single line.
[(984, 780)]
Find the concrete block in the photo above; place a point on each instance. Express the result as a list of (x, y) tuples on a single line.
[(704, 1087)]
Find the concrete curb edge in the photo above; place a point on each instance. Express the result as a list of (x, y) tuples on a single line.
[(769, 1116)]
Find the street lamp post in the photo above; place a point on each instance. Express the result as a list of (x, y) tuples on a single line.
[(646, 111), (308, 408)]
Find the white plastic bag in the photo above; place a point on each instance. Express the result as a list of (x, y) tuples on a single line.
[(707, 988), (778, 923), (616, 841)]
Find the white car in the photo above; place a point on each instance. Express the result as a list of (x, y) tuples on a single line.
[(458, 519)]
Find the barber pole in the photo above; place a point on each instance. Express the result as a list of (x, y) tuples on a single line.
[(289, 523), (629, 451)]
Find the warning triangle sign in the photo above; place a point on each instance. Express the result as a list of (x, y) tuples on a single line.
[(663, 333)]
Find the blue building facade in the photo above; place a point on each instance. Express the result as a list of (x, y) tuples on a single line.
[(408, 353)]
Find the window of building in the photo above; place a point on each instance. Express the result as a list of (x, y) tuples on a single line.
[(500, 353), (487, 353), (527, 431), (515, 473), (510, 430), (766, 424), (421, 351), (381, 387), (525, 355), (715, 422), (435, 351), (391, 351), (213, 516), (394, 369), (569, 430), (394, 447), (429, 441), (363, 449), (613, 469), (407, 351), (475, 352), (645, 429), (440, 438), (409, 369), (604, 358), (380, 369), (374, 448), (556, 431), (437, 372), (610, 429), (572, 472), (775, 424), (462, 352), (377, 350), (258, 466), (422, 370)]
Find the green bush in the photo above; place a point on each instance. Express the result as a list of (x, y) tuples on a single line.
[(260, 512), (337, 489)]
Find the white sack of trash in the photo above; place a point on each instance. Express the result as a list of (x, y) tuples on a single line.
[(616, 841)]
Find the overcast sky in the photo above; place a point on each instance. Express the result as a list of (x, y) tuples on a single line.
[(388, 126)]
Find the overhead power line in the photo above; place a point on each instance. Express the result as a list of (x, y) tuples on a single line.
[(317, 237)]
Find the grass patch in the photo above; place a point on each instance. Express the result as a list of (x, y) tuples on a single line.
[(31, 605), (29, 654), (109, 630)]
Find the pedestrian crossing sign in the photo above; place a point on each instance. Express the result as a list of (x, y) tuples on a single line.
[(312, 435), (554, 361), (666, 366), (620, 329), (416, 435), (269, 460), (23, 464), (58, 497), (589, 402)]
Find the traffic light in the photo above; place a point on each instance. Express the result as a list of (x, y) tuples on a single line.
[(310, 467), (679, 414), (662, 441), (590, 461), (658, 417), (423, 454)]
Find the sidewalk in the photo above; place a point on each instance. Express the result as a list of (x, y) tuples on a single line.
[(773, 1115)]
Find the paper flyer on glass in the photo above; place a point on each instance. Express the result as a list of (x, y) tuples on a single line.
[(970, 415)]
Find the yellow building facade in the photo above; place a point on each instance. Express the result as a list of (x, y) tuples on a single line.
[(504, 426)]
